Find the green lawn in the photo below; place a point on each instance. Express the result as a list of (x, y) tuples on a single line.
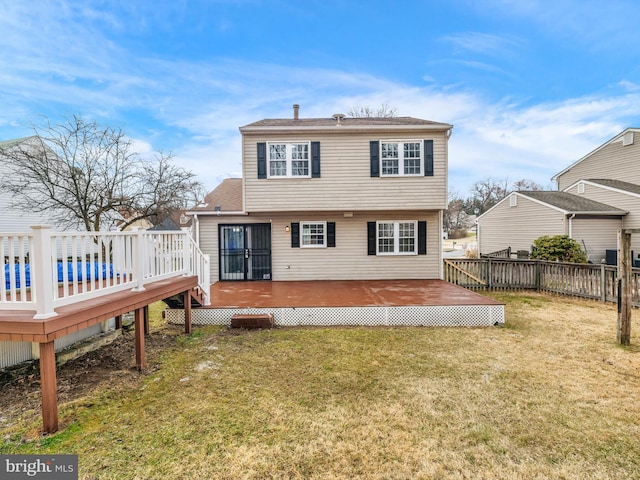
[(549, 395)]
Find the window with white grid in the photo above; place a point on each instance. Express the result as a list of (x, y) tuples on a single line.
[(397, 238), (401, 158), (313, 234), (288, 160)]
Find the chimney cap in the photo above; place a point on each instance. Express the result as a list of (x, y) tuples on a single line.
[(338, 117)]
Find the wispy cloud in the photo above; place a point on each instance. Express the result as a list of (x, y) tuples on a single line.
[(484, 43)]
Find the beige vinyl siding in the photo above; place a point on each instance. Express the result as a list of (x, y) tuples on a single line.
[(348, 260), (596, 235), (517, 227), (345, 182), (624, 201), (613, 161)]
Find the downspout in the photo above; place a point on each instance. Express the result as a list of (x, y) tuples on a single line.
[(571, 225)]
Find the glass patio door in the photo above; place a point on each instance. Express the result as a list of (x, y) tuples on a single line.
[(245, 252)]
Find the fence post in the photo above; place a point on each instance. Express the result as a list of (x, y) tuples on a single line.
[(41, 274), (489, 274), (603, 283), (624, 288)]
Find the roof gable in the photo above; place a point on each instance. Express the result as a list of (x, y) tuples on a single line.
[(225, 198), (617, 138)]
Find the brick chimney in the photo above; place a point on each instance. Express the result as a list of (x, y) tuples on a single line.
[(296, 111)]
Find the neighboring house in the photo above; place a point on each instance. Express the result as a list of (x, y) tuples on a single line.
[(13, 219), (522, 217), (616, 159), (330, 199), (598, 195)]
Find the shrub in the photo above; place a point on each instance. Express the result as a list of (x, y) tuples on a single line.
[(561, 248)]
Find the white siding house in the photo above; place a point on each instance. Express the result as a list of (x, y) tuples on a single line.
[(13, 218)]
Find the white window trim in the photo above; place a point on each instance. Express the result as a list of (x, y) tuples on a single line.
[(289, 160), (324, 230), (396, 237), (401, 159)]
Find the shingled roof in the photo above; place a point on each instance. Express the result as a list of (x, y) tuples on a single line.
[(617, 184), (225, 198), (345, 121), (572, 203)]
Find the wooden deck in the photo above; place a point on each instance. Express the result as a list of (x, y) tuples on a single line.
[(350, 302), (22, 326), (19, 325), (345, 293)]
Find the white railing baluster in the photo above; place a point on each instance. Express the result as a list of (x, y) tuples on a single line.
[(91, 264)]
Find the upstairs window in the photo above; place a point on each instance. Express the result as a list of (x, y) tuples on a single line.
[(401, 158), (288, 160)]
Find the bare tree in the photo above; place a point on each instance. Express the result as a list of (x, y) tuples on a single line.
[(455, 220), (384, 111), (87, 176), (486, 193), (527, 185)]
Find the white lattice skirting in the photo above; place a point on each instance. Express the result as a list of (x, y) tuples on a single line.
[(427, 316)]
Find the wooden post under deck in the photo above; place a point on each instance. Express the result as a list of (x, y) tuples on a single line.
[(48, 387), (146, 319), (118, 319), (187, 312), (141, 363)]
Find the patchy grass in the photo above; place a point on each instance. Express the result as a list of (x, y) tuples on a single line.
[(550, 395)]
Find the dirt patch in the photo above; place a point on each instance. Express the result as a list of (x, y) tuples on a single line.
[(109, 367)]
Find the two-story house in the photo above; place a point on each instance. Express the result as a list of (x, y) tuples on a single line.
[(597, 195), (330, 199)]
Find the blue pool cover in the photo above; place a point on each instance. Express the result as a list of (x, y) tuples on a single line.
[(100, 271)]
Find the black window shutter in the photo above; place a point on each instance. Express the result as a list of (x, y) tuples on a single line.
[(331, 234), (315, 159), (262, 160), (422, 238), (374, 151), (428, 158), (371, 238), (295, 235)]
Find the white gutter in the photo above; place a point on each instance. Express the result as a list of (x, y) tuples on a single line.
[(573, 215)]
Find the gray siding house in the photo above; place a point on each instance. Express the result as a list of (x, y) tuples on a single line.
[(330, 199)]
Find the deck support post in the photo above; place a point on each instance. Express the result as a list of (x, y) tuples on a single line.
[(118, 319), (624, 288), (187, 312), (141, 363), (48, 387), (146, 319)]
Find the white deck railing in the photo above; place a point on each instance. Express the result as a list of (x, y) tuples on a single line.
[(44, 270)]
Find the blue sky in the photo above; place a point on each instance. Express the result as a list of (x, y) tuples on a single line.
[(530, 86)]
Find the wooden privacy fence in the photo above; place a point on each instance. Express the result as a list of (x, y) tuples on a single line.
[(576, 279)]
